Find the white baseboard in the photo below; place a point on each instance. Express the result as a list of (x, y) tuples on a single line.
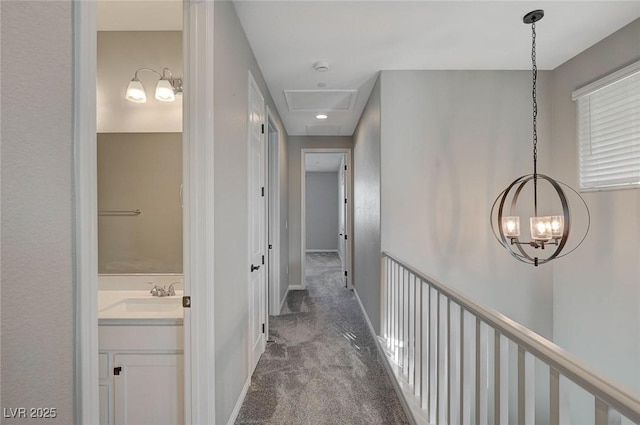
[(295, 288), (322, 250), (402, 389), (284, 299), (236, 409)]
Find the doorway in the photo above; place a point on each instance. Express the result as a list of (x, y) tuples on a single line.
[(326, 207), (199, 372), (273, 221)]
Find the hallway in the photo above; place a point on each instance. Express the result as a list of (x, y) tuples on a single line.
[(322, 366)]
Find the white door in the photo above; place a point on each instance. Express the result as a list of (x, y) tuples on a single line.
[(149, 389), (342, 218), (257, 221)]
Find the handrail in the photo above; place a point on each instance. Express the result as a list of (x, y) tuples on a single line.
[(621, 399)]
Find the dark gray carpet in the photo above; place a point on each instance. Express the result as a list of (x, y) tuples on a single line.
[(323, 366)]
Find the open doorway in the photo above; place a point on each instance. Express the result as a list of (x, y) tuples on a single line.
[(197, 341), (326, 212), (275, 288), (140, 213)]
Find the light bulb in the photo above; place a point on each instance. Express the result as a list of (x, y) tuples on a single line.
[(540, 228), (135, 92), (164, 91), (557, 226), (511, 226)]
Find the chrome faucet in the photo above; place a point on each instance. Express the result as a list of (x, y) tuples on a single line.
[(157, 291)]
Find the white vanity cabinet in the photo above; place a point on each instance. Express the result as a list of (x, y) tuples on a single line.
[(141, 373)]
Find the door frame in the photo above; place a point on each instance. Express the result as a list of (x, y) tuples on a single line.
[(303, 216), (273, 215), (198, 217)]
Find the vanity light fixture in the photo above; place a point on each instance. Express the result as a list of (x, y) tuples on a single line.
[(544, 230), (167, 89), (322, 116)]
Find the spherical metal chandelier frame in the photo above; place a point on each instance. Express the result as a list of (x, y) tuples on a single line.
[(513, 244), (545, 231)]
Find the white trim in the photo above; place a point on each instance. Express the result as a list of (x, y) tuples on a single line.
[(86, 212), (239, 402), (295, 288), (403, 391), (607, 80), (283, 300), (349, 218), (323, 250), (273, 213), (198, 213)]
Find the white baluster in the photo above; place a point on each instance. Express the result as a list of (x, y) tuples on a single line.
[(412, 329), (558, 399), (482, 374), (434, 348), (501, 376), (468, 349), (419, 335), (526, 388), (605, 415), (443, 357)]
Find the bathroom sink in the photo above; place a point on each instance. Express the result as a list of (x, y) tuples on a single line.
[(141, 305)]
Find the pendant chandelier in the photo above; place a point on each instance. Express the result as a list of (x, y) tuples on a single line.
[(549, 233)]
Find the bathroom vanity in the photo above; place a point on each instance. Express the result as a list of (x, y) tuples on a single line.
[(140, 357)]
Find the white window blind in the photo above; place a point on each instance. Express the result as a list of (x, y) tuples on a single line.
[(609, 131)]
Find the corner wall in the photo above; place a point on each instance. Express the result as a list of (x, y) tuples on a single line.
[(233, 59), (596, 291), (366, 208), (37, 227)]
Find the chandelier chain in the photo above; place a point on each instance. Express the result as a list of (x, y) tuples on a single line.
[(534, 71), (534, 97)]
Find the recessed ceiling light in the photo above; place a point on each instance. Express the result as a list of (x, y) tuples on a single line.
[(322, 116)]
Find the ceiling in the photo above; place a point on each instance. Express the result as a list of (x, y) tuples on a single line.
[(360, 38), (322, 162)]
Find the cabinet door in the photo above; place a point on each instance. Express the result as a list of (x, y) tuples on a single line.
[(149, 389), (105, 406)]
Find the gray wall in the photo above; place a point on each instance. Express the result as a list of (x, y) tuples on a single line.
[(295, 146), (321, 211), (140, 171), (596, 293), (37, 257), (366, 208), (450, 142), (233, 58), (120, 54)]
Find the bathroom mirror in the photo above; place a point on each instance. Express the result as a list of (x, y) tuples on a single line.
[(139, 155)]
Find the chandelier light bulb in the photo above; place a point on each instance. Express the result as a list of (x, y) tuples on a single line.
[(557, 226), (511, 226)]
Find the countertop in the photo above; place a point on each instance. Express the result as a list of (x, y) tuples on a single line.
[(170, 311)]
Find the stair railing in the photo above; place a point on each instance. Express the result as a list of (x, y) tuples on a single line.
[(439, 344)]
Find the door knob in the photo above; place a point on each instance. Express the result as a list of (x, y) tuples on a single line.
[(253, 268)]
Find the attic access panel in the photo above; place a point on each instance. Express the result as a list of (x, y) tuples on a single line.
[(320, 100)]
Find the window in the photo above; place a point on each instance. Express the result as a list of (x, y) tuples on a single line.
[(609, 131)]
